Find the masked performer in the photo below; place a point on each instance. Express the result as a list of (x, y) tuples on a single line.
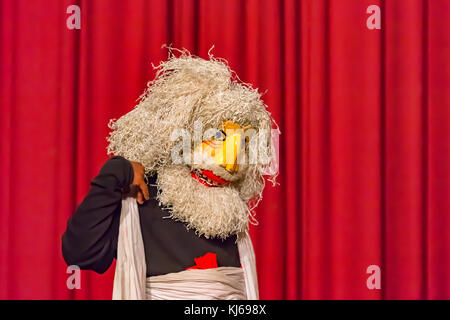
[(174, 203)]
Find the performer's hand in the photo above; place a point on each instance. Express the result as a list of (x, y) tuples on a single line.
[(139, 182)]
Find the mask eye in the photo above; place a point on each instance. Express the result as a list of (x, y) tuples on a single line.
[(220, 135)]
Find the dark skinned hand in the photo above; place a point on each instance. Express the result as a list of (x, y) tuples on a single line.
[(141, 189)]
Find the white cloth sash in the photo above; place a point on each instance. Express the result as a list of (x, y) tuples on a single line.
[(130, 278), (223, 283)]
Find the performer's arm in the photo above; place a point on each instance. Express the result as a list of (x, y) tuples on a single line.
[(90, 240)]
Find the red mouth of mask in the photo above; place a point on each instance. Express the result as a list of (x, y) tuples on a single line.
[(208, 178)]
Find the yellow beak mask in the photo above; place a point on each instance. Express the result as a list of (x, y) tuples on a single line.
[(223, 151)]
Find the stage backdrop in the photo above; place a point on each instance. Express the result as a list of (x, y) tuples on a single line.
[(364, 152)]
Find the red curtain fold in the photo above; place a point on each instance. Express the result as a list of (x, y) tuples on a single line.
[(364, 150)]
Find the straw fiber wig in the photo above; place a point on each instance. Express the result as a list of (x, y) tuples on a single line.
[(185, 91)]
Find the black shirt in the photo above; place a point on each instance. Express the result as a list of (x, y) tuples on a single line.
[(90, 240)]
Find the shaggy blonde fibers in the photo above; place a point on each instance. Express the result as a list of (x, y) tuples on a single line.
[(212, 212), (188, 89)]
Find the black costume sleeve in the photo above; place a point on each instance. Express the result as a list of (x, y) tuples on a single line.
[(90, 240)]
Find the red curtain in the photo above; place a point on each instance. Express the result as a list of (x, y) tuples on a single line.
[(364, 151)]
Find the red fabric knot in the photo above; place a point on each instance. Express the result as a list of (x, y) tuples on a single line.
[(207, 261)]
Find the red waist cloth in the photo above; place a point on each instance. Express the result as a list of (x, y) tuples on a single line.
[(207, 261)]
